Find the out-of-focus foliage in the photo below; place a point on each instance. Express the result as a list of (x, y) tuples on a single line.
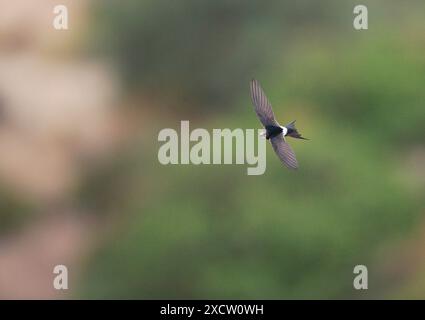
[(376, 88), (13, 211), (202, 53), (214, 232)]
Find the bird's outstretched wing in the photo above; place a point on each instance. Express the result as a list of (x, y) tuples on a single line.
[(284, 151), (263, 108)]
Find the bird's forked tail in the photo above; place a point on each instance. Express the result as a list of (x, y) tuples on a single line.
[(293, 132)]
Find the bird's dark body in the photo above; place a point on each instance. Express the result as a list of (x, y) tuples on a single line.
[(292, 132), (272, 131)]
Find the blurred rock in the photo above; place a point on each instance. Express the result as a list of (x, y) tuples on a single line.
[(27, 259)]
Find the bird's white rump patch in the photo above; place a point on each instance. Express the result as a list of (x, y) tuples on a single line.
[(218, 149)]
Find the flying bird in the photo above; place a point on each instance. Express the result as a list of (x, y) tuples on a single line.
[(274, 131)]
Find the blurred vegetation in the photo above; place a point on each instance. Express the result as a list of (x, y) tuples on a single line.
[(214, 232), (201, 53), (13, 210)]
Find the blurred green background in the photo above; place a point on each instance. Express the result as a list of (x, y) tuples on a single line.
[(187, 231)]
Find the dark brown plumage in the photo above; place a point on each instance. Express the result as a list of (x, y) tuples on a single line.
[(274, 131)]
